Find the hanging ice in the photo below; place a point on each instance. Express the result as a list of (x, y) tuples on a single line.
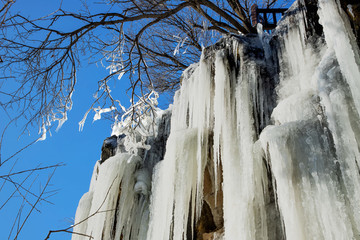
[(264, 144)]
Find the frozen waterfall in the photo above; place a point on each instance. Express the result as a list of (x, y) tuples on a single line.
[(264, 144)]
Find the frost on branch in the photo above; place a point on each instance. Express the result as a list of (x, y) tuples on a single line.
[(116, 66), (137, 123), (58, 115)]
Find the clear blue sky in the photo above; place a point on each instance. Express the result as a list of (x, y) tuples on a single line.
[(78, 150)]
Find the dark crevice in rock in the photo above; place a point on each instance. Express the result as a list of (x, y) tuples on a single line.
[(158, 143), (352, 10), (206, 222), (116, 212), (313, 27)]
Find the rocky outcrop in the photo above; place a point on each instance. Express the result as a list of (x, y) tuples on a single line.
[(110, 146)]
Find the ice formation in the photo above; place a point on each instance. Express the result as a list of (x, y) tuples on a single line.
[(264, 144)]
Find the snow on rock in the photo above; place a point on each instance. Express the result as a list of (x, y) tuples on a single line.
[(265, 127)]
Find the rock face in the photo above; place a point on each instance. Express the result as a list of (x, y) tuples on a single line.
[(352, 9), (264, 143), (110, 146)]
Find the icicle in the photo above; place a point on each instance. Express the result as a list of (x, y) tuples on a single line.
[(178, 180), (338, 37), (317, 179), (112, 207)]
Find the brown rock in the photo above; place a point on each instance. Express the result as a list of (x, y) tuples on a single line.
[(352, 9), (217, 235), (210, 195), (212, 216), (206, 222)]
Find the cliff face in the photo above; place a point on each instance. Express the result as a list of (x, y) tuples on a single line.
[(263, 144)]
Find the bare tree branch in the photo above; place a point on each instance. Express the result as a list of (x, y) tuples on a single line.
[(34, 205), (67, 230)]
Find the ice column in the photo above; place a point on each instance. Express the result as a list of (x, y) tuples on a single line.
[(117, 202), (178, 179), (220, 106), (313, 148)]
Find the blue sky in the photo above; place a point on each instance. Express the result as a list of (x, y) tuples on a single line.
[(78, 150)]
